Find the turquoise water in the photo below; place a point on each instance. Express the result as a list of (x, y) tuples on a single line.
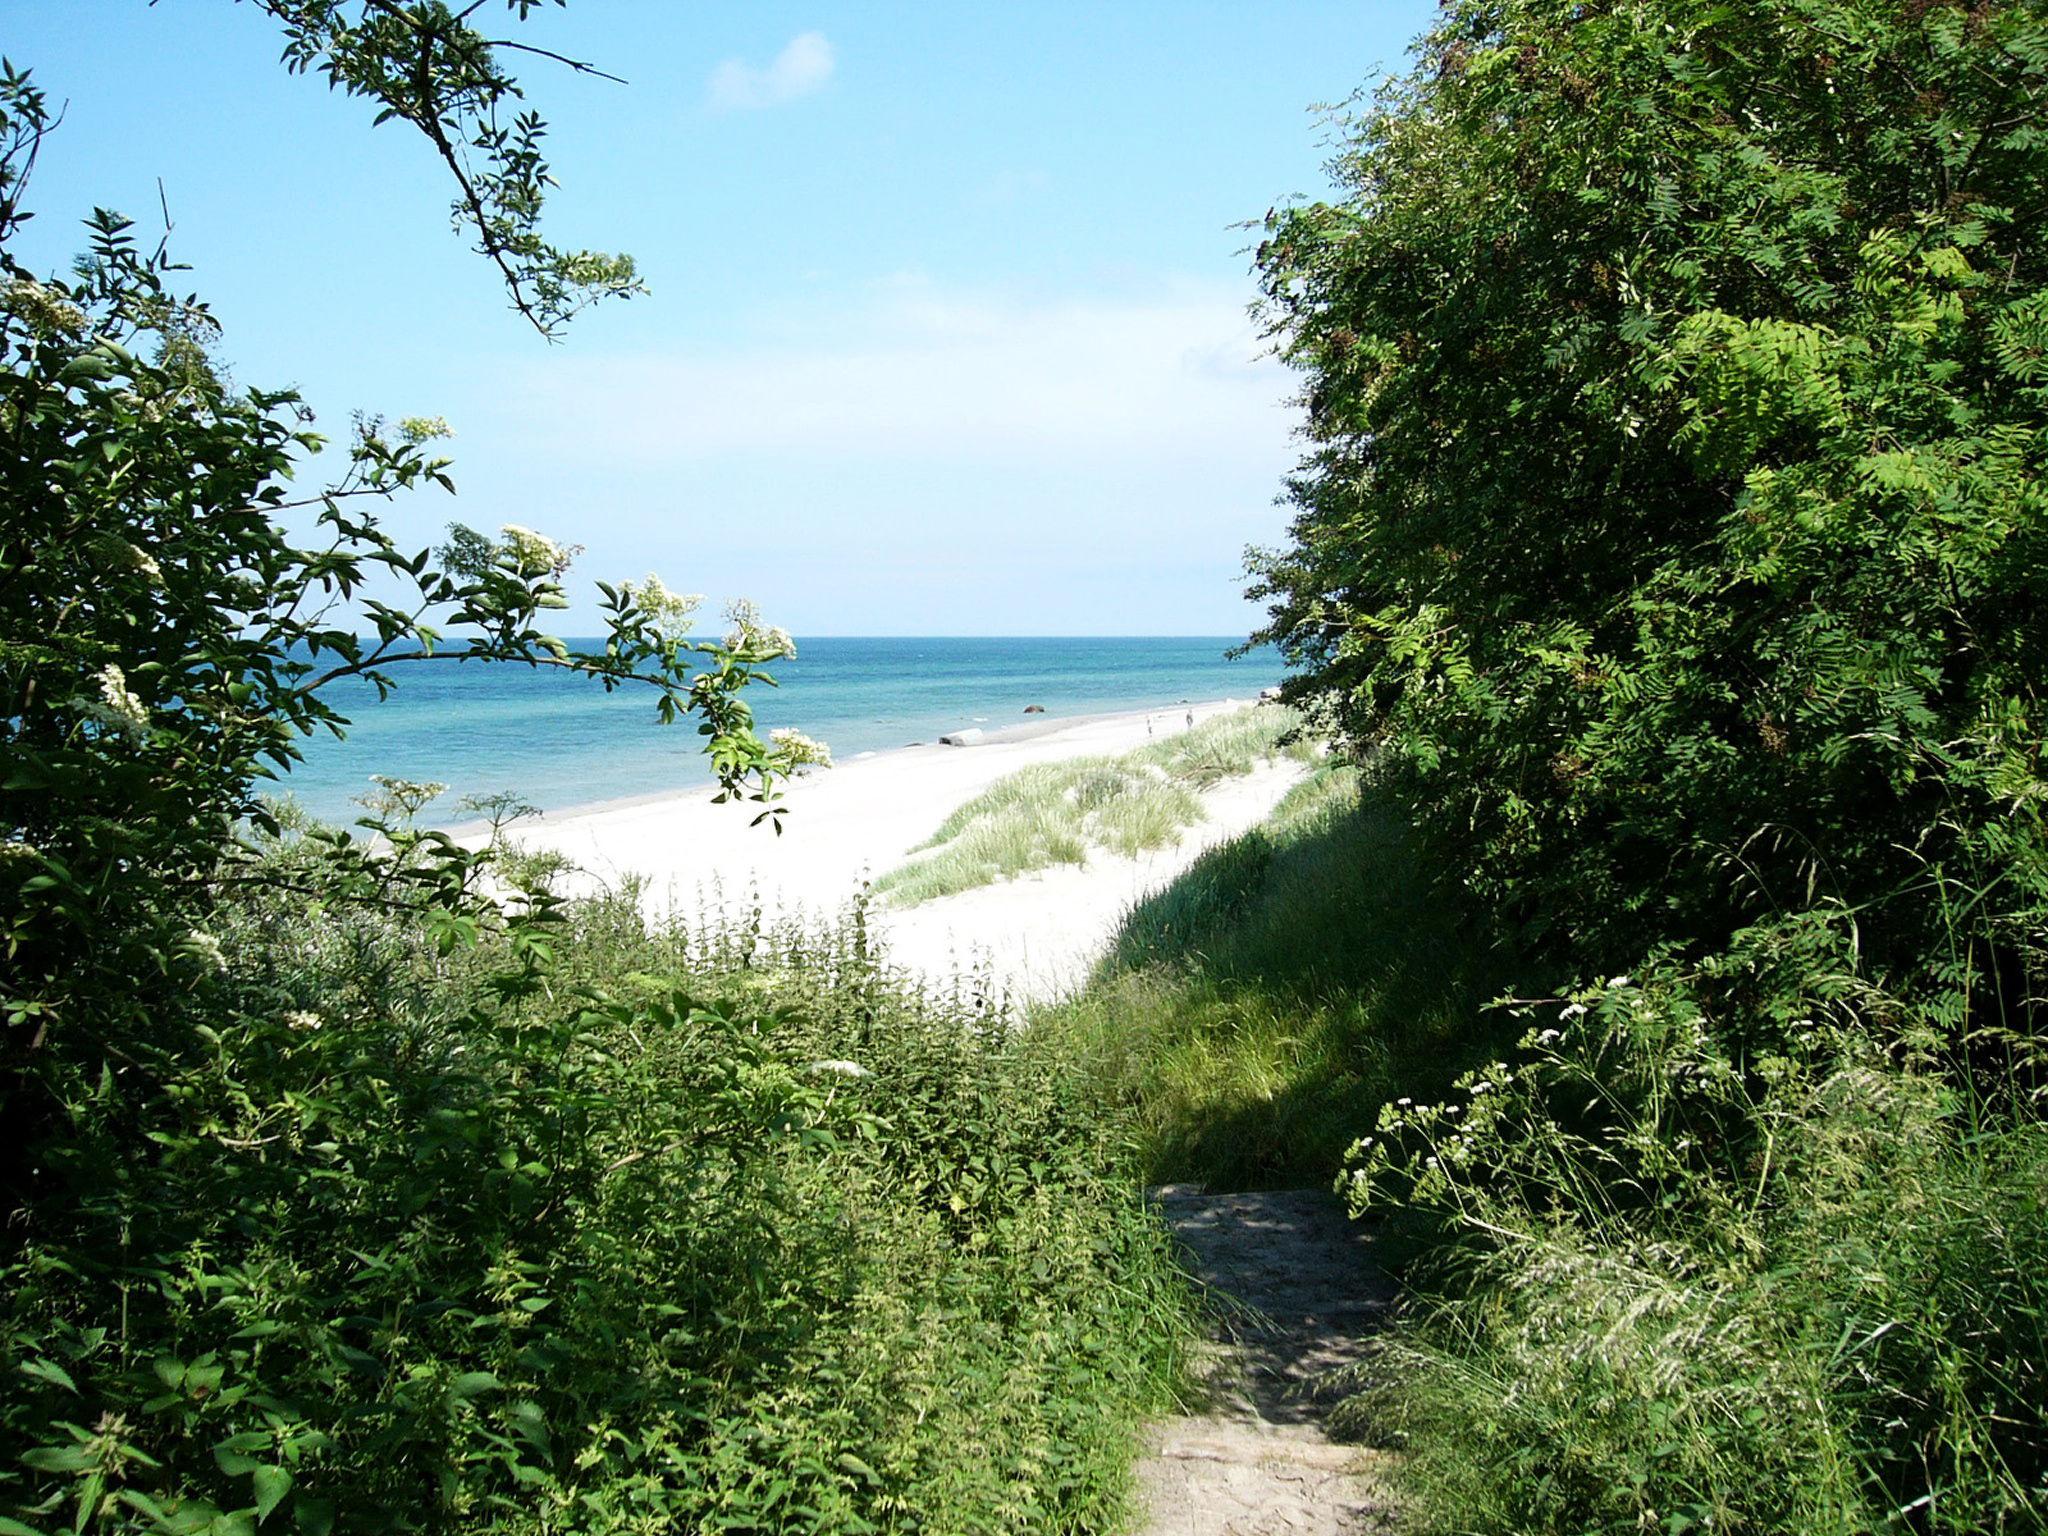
[(561, 741)]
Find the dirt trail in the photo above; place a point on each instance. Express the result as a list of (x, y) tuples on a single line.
[(1306, 1293)]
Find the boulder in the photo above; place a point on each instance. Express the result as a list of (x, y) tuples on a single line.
[(1034, 709), (966, 738)]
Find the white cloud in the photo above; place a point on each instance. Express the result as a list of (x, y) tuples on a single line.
[(801, 68), (1177, 376)]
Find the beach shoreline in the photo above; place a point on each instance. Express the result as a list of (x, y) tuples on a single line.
[(1169, 717), (1036, 935)]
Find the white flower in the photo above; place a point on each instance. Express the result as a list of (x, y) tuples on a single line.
[(116, 706), (303, 1018), (748, 633), (1550, 1037), (1404, 1103), (667, 613), (802, 751), (1617, 981), (842, 1068), (1571, 1010), (11, 850), (424, 429), (535, 553), (42, 308), (205, 948), (1482, 1086)]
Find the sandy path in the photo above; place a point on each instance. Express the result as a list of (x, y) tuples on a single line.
[(1303, 1296), (1034, 936)]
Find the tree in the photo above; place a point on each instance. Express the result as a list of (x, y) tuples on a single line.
[(1672, 529)]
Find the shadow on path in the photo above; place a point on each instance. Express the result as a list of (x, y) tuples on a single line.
[(1299, 1295)]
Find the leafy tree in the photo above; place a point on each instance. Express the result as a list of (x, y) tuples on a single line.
[(1672, 542), (1673, 524)]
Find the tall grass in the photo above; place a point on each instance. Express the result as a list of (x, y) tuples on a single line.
[(1695, 1288), (1055, 813), (1255, 1013)]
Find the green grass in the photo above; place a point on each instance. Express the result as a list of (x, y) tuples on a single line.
[(1056, 813), (1254, 1014)]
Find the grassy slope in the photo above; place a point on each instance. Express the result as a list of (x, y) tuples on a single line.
[(1256, 1013)]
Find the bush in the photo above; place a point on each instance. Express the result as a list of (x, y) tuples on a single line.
[(1802, 1291), (601, 1228)]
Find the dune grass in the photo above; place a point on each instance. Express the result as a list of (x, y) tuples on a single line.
[(1055, 813)]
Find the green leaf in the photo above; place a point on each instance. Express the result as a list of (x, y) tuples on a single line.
[(50, 1371), (271, 1484)]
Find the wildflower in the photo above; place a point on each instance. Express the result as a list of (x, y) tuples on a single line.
[(1571, 1010), (303, 1018), (842, 1068), (42, 308), (667, 613), (1404, 1103), (1550, 1037), (800, 750), (535, 553), (1617, 981), (1482, 1086), (13, 850), (129, 556), (423, 429), (749, 633), (116, 706), (205, 948)]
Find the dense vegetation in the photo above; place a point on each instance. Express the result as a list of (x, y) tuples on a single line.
[(1672, 548), (1056, 813), (359, 1183)]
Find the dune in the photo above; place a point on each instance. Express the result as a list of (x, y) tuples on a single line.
[(1032, 937)]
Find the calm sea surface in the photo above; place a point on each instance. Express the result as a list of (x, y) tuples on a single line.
[(561, 741)]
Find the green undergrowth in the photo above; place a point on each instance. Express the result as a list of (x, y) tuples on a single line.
[(617, 1228), (1796, 1283), (1056, 813), (1256, 1012)]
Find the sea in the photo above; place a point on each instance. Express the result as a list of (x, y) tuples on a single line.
[(560, 741)]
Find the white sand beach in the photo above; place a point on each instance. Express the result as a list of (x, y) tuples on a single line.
[(1036, 935)]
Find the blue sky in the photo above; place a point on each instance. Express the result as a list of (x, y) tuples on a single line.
[(947, 332)]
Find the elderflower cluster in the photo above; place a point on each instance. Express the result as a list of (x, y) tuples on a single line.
[(669, 614), (206, 949), (535, 553), (842, 1068), (423, 429), (801, 750), (303, 1019), (749, 634), (13, 851), (132, 557), (42, 308), (116, 706)]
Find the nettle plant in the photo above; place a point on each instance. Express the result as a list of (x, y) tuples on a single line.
[(166, 645)]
